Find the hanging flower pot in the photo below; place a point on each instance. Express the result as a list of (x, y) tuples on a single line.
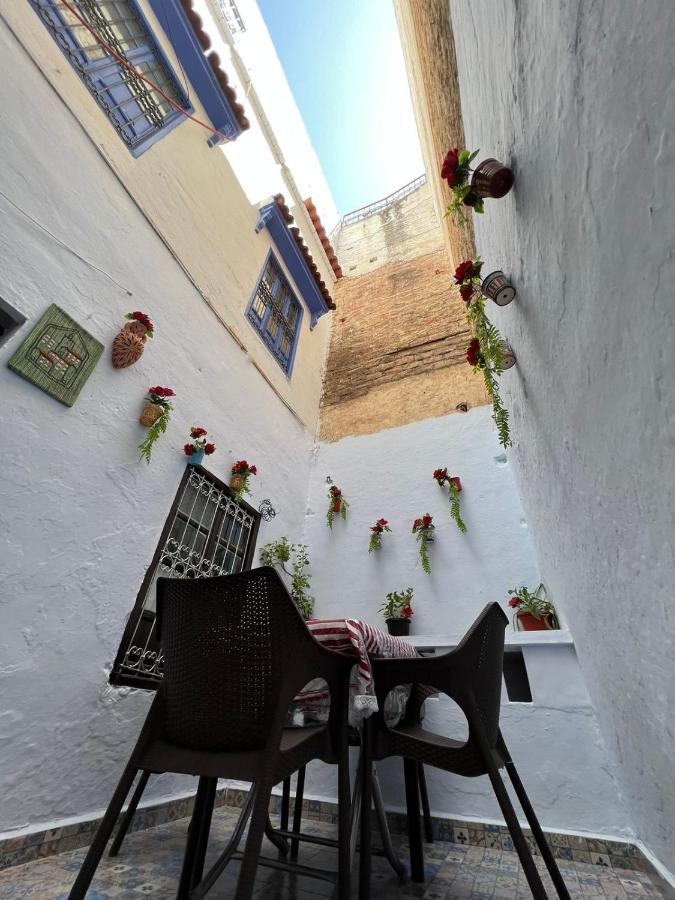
[(376, 532), (337, 505), (196, 458), (196, 449), (423, 529), (508, 356), (155, 417), (237, 483), (498, 288), (239, 476), (150, 413), (128, 346), (491, 178)]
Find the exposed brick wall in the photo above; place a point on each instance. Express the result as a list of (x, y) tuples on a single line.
[(399, 320)]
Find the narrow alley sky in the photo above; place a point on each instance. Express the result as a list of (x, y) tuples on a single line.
[(344, 63)]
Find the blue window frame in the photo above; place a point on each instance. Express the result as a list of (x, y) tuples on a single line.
[(137, 112), (276, 314)]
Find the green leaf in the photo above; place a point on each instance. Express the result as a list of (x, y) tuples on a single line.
[(474, 155)]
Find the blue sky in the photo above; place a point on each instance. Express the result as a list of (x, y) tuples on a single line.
[(344, 63)]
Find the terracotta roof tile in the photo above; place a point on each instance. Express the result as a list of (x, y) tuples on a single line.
[(323, 237), (314, 269), (214, 61)]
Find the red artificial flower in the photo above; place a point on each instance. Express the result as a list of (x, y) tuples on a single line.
[(463, 271), (457, 483), (189, 449), (417, 524), (427, 520), (376, 528), (440, 475), (466, 292), (161, 391), (253, 470), (473, 352), (407, 612), (382, 522), (209, 448), (514, 602), (335, 491), (450, 165), (197, 432)]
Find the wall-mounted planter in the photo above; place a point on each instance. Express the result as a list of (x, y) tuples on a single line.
[(237, 483), (196, 458), (398, 627), (491, 178), (151, 412), (498, 288), (128, 346), (508, 356)]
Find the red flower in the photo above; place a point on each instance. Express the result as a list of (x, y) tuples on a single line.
[(407, 612), (473, 352), (335, 491), (514, 602), (253, 470), (450, 165), (417, 524), (382, 522), (466, 292), (457, 483), (197, 432), (161, 391), (440, 475), (189, 449), (427, 520), (376, 528), (209, 448), (463, 271)]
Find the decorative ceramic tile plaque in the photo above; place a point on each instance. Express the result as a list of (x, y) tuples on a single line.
[(58, 355)]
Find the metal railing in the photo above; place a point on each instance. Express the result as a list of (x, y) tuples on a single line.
[(365, 211)]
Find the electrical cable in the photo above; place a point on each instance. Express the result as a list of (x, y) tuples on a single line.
[(127, 65)]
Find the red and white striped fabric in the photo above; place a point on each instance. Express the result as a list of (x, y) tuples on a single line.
[(364, 641)]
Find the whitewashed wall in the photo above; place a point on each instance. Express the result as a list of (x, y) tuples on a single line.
[(555, 741), (79, 515), (578, 97)]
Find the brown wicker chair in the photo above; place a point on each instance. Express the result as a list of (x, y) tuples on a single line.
[(236, 653), (472, 676)]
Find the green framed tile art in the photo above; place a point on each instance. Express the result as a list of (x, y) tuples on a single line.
[(58, 355)]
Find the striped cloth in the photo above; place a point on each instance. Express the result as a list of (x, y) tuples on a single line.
[(357, 637)]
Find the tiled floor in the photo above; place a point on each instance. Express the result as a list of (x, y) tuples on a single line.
[(150, 862)]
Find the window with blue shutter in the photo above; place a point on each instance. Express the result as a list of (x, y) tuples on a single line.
[(275, 314), (137, 112)]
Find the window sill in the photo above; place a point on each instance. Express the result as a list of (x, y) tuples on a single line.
[(512, 639)]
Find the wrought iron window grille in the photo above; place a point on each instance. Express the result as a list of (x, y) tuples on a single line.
[(208, 532), (137, 112), (275, 314)]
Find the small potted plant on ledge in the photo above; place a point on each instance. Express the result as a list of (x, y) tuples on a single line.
[(337, 505), (533, 610), (198, 447), (398, 612), (423, 529), (240, 474), (455, 485), (376, 532), (155, 417)]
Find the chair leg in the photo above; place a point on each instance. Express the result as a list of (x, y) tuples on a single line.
[(516, 832), (204, 831), (344, 826), (537, 832), (129, 815), (366, 804), (385, 834), (256, 831), (275, 839), (93, 857), (195, 839), (223, 860), (412, 799), (297, 812), (424, 797), (285, 804)]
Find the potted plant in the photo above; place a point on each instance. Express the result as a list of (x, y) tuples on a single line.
[(490, 178), (337, 505), (533, 610), (467, 276), (397, 611), (376, 532), (198, 447), (155, 417), (423, 529), (278, 553), (128, 346), (498, 288), (455, 485), (239, 476)]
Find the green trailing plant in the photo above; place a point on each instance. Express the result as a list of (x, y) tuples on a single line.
[(485, 353), (278, 554), (398, 605), (337, 505), (158, 397), (423, 529), (376, 532), (455, 486), (535, 602)]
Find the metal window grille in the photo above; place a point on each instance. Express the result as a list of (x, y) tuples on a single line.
[(275, 314), (136, 111), (207, 533), (232, 16)]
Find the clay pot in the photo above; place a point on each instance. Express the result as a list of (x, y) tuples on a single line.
[(498, 288), (508, 356), (399, 627), (151, 412), (528, 622), (237, 483), (491, 178), (128, 346), (429, 534), (337, 505)]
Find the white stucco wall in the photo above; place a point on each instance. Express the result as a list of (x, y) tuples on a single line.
[(79, 515), (555, 740), (578, 97)]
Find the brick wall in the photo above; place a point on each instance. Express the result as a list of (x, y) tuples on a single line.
[(398, 321)]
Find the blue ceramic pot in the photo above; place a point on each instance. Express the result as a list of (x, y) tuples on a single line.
[(196, 458)]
